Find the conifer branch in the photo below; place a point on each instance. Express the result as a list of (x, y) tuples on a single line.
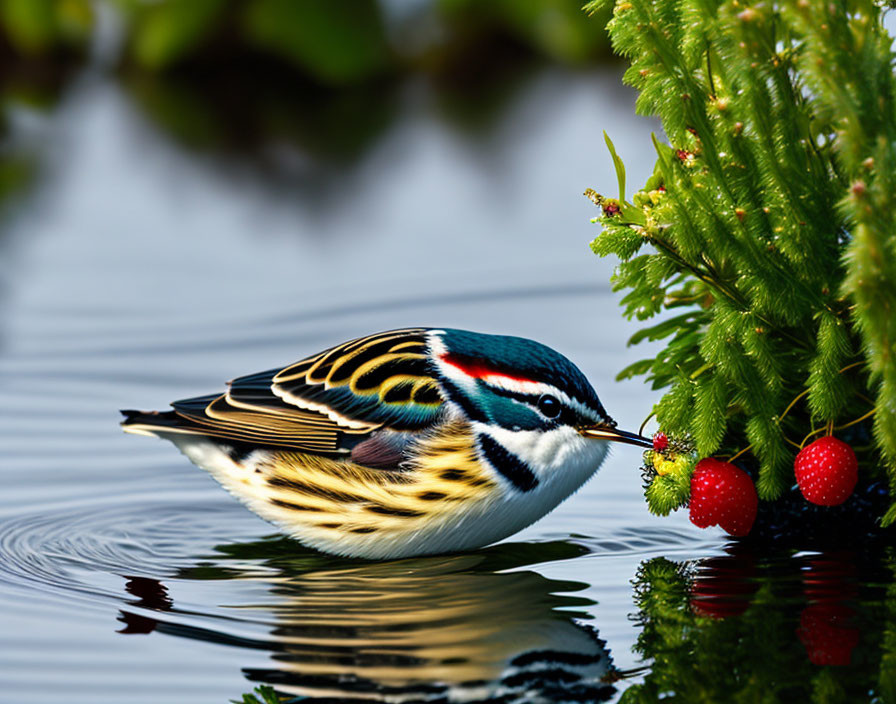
[(771, 218)]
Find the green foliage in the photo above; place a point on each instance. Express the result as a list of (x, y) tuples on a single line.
[(35, 27), (765, 241), (169, 30), (340, 42), (336, 43), (618, 165), (668, 492), (556, 28)]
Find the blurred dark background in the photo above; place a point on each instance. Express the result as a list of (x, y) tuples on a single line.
[(298, 91), (154, 149)]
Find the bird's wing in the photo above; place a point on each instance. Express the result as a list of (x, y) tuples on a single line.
[(378, 380), (314, 405)]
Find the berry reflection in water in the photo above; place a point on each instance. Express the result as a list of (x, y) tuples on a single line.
[(761, 626)]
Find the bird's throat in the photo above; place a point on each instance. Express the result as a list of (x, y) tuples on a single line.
[(559, 460)]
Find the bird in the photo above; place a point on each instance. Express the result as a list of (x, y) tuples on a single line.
[(403, 443)]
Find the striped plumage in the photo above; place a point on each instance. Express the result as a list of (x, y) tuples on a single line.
[(401, 443)]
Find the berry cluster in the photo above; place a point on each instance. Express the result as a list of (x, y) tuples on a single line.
[(720, 494), (667, 474)]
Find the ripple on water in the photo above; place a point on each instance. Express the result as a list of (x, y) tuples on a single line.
[(642, 541), (47, 550), (56, 551)]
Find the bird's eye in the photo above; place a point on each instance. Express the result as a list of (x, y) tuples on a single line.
[(549, 406)]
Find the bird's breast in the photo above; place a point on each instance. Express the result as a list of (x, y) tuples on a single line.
[(442, 498), (559, 455)]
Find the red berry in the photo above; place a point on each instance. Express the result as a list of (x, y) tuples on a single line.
[(723, 495), (660, 442), (826, 471)]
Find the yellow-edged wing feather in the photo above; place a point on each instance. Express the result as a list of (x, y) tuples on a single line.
[(317, 404)]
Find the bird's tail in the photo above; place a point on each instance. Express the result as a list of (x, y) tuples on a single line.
[(150, 422), (185, 419)]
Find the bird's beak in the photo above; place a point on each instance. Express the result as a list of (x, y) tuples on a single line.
[(606, 432)]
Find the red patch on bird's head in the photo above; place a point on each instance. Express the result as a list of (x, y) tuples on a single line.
[(479, 370)]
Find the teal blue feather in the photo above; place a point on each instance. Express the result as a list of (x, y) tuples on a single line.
[(521, 357)]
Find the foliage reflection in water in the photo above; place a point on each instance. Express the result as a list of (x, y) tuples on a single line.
[(751, 626)]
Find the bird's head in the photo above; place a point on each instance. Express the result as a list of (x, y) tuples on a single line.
[(534, 412)]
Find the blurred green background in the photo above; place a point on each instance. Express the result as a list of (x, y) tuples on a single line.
[(233, 76)]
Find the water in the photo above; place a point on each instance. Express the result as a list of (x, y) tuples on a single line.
[(137, 270)]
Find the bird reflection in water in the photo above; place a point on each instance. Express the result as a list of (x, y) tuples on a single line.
[(439, 629)]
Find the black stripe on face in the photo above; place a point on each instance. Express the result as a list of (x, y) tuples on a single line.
[(508, 464), (467, 406)]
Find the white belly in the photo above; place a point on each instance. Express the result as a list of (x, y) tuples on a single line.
[(451, 527)]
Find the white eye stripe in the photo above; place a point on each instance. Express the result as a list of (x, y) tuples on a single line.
[(529, 388), (536, 389)]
